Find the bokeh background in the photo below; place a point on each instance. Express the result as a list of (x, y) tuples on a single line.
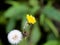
[(46, 31)]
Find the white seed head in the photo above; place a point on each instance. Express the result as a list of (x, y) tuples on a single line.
[(15, 36)]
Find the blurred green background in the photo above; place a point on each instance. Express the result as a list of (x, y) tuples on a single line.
[(46, 31)]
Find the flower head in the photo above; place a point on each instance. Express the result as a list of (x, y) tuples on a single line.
[(30, 19), (15, 36)]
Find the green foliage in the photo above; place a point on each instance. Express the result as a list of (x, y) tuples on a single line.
[(17, 11), (42, 19), (11, 24), (52, 27), (23, 42), (52, 42), (35, 34), (44, 16), (52, 13), (51, 37)]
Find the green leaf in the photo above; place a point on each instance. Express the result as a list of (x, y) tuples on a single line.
[(13, 3), (46, 28), (52, 27), (34, 10), (52, 42), (52, 13), (11, 24), (51, 37), (42, 19), (33, 2), (23, 42), (19, 11), (35, 34)]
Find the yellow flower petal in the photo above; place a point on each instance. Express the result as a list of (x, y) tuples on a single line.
[(30, 19)]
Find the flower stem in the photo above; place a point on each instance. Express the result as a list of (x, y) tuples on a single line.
[(26, 24), (24, 29)]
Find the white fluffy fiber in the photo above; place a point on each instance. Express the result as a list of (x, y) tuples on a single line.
[(15, 36)]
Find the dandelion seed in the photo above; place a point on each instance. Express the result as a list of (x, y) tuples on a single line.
[(15, 36)]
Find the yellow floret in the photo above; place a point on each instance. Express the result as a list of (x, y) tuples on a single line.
[(30, 19)]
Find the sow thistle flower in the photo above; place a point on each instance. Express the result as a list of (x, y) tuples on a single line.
[(30, 19), (15, 36)]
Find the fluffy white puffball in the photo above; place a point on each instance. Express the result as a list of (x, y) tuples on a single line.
[(15, 36)]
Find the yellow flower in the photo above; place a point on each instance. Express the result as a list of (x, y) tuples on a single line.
[(30, 19)]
